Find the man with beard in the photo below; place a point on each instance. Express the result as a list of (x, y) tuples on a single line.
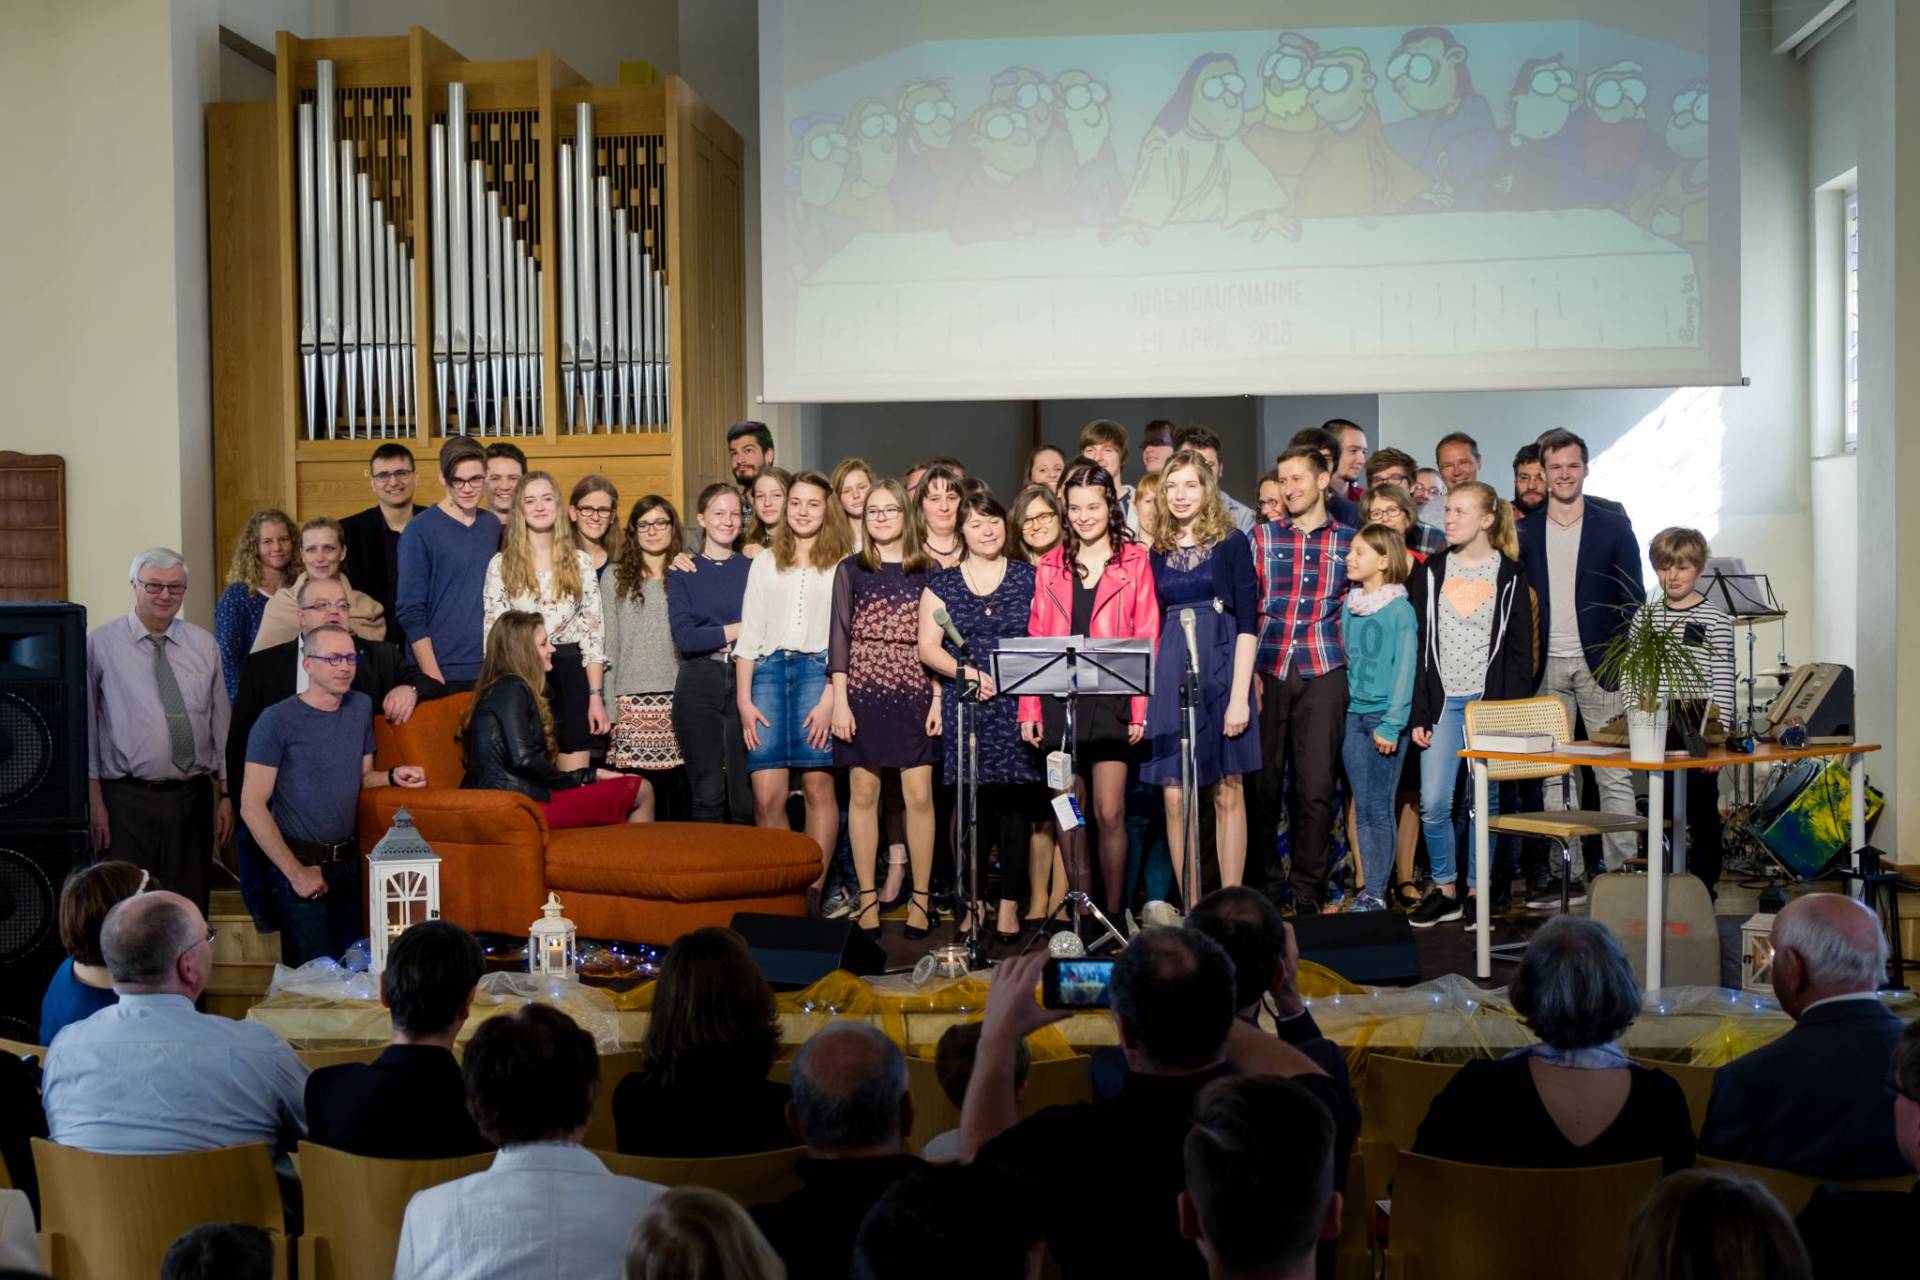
[(1451, 137), (1677, 208), (1529, 482), (1528, 176), (1613, 136), (928, 168), (993, 203), (1098, 187), (1054, 169), (1286, 131), (1194, 167), (872, 159), (819, 172), (1353, 173)]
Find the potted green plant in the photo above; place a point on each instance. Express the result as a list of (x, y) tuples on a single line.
[(1649, 665)]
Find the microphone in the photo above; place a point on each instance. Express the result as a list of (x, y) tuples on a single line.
[(944, 621), (1193, 647)]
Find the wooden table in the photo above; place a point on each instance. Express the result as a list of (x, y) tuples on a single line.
[(1675, 762)]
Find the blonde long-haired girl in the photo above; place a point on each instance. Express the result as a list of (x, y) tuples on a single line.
[(263, 563)]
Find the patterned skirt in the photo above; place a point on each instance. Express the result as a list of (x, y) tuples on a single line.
[(643, 735)]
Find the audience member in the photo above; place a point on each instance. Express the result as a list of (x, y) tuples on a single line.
[(1529, 482), (711, 1040), (1158, 440), (150, 1075), (409, 1103), (444, 553), (697, 1233), (1104, 442), (851, 1110), (953, 1057), (373, 535), (1259, 1199), (322, 551), (22, 1119), (322, 740), (1206, 443), (263, 563), (158, 709), (1583, 564), (81, 986), (749, 450), (1707, 1224), (1574, 1099), (1427, 490), (1343, 508), (1045, 466), (1815, 1100), (220, 1251), (1172, 994), (547, 1206), (506, 464), (951, 1222), (1848, 1233)]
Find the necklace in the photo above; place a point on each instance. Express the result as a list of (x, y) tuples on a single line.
[(944, 551)]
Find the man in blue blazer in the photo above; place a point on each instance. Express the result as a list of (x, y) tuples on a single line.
[(1583, 563), (1816, 1100)]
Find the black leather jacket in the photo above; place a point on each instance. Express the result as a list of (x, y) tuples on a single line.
[(506, 749)]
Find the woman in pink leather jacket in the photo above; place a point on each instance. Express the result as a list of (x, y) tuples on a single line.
[(1097, 582)]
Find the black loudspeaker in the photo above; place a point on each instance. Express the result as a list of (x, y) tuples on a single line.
[(1373, 948), (798, 951), (43, 715), (33, 865), (1818, 696)]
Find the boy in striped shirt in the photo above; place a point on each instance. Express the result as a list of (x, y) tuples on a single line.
[(1678, 556)]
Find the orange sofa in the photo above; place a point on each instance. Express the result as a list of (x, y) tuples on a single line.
[(641, 882)]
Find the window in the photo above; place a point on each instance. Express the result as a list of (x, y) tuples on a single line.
[(1850, 376)]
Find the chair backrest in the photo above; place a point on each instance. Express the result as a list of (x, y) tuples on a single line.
[(1050, 1082), (761, 1178), (21, 1049), (430, 738), (354, 1207), (614, 1067), (1695, 1082), (1545, 714), (314, 1059), (1793, 1190), (1476, 1222), (110, 1217), (1395, 1093)]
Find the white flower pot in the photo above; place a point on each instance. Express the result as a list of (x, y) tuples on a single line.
[(1646, 735)]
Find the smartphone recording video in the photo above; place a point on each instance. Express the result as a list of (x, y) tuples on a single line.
[(1076, 984)]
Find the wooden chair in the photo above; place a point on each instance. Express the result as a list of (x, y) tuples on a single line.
[(1475, 1222), (1695, 1082), (1793, 1190), (1353, 1252), (1563, 827), (314, 1059), (1050, 1082), (21, 1049), (614, 1067), (1397, 1093), (355, 1205), (111, 1217), (761, 1178)]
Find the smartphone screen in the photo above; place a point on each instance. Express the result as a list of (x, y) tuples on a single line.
[(1077, 984)]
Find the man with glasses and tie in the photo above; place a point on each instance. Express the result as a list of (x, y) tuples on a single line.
[(373, 535), (322, 740), (156, 775), (443, 569)]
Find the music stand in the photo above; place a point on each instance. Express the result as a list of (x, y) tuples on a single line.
[(1073, 666)]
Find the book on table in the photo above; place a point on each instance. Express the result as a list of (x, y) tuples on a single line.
[(1529, 744)]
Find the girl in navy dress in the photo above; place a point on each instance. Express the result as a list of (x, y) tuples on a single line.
[(884, 716), (988, 596), (1203, 563)]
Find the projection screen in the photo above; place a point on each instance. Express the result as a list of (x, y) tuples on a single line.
[(977, 199)]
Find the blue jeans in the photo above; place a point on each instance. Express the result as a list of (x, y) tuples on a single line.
[(787, 685), (1374, 779), (323, 926), (1439, 773)]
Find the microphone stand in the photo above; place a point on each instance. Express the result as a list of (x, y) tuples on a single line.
[(967, 776), (1189, 774)]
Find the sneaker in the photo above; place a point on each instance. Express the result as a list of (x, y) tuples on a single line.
[(836, 905), (1438, 908), (1367, 902), (1157, 913), (1544, 896)]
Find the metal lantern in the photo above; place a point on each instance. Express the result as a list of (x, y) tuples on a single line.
[(1756, 953), (551, 943), (403, 886)]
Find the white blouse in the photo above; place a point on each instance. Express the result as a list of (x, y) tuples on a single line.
[(574, 620), (784, 609)]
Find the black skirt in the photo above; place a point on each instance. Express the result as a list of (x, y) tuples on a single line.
[(567, 697)]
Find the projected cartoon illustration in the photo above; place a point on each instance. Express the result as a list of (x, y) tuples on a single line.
[(1256, 196)]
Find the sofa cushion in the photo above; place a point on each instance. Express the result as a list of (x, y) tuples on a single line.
[(680, 861), (430, 738)]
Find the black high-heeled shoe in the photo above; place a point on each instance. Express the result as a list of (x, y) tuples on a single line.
[(933, 917), (863, 907)]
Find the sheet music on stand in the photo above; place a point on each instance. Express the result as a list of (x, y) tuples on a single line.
[(1036, 665), (1747, 597)]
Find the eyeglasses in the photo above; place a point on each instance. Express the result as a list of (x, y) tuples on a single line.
[(1029, 95), (654, 526), (164, 588), (1609, 93), (924, 112), (1384, 513), (875, 125), (883, 513), (1694, 102), (471, 482), (389, 477), (1001, 127), (196, 942), (324, 606), (336, 660), (1078, 97), (1032, 522), (595, 513), (825, 144), (1548, 81), (1283, 67)]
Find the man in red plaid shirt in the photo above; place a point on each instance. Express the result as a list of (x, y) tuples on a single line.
[(1300, 561)]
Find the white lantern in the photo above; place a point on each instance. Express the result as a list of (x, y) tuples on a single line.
[(551, 942), (403, 886), (1756, 954)]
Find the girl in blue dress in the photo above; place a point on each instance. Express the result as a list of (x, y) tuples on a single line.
[(1203, 563)]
